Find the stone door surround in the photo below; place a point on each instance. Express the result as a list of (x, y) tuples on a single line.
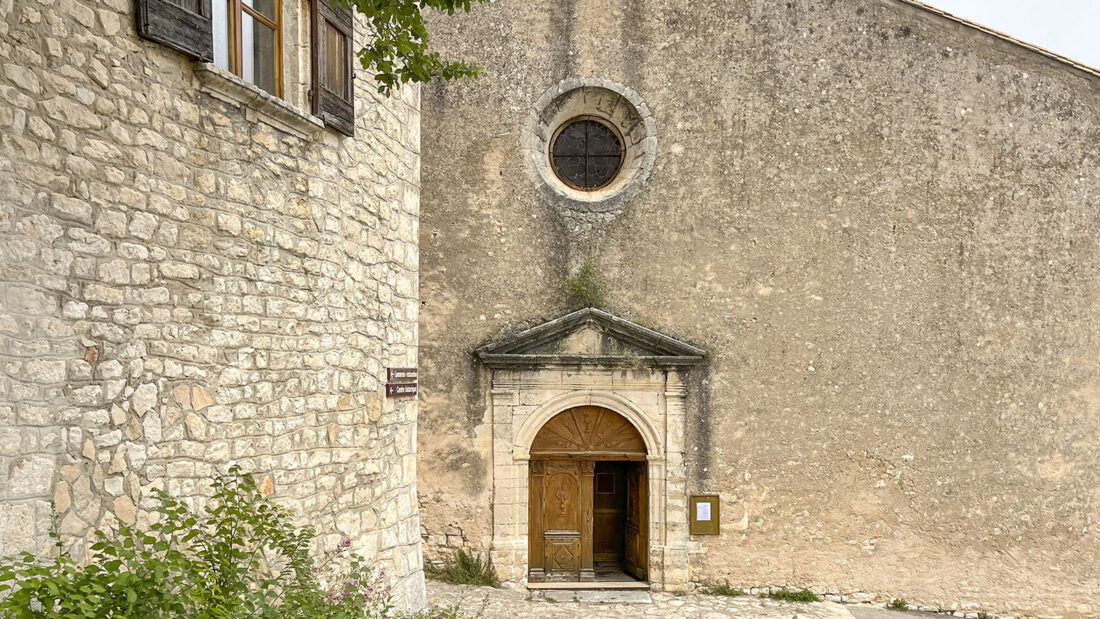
[(590, 358)]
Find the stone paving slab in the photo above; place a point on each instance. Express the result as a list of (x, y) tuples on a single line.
[(594, 596), (523, 604)]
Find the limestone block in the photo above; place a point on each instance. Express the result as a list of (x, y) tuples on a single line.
[(11, 440), (31, 476), (219, 414), (151, 427), (44, 371), (107, 439), (199, 398), (61, 498), (133, 429), (17, 528), (84, 501), (136, 454), (182, 396), (144, 398), (125, 510), (113, 486), (142, 225)]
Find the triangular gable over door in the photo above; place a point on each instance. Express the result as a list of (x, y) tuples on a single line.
[(590, 336)]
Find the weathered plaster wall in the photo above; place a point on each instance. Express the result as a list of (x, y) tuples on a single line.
[(183, 286), (880, 224)]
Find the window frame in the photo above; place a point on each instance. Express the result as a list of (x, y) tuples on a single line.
[(235, 10)]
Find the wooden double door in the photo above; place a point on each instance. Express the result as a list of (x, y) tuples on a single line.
[(584, 513)]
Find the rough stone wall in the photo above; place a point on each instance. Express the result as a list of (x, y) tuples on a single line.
[(183, 286), (882, 227)]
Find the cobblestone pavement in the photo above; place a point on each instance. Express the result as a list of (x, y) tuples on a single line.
[(522, 604)]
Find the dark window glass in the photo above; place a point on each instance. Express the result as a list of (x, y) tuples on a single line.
[(601, 170), (602, 141), (586, 154), (264, 7), (572, 168), (259, 61)]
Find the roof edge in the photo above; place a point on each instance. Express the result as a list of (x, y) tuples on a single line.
[(1042, 51), (549, 328)]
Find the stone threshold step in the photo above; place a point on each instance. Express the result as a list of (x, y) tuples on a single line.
[(588, 586), (593, 596)]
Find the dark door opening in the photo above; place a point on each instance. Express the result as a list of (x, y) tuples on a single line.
[(615, 527)]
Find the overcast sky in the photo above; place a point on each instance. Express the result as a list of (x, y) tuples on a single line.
[(1067, 27)]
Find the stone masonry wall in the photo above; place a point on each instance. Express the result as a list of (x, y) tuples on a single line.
[(184, 286), (880, 224)]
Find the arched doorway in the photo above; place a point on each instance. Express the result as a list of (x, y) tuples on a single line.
[(588, 500)]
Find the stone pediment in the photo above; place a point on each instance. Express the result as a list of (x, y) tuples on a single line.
[(589, 336)]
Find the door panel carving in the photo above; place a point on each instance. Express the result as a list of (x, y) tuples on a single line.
[(558, 521), (563, 494), (588, 431)]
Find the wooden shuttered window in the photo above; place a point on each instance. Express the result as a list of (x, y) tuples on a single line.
[(183, 25), (333, 89)]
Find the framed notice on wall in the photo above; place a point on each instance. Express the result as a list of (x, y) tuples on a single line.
[(704, 514)]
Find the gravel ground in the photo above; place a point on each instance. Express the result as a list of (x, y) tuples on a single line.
[(523, 604)]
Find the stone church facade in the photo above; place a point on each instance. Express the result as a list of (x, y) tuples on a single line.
[(848, 343), (849, 339), (198, 267)]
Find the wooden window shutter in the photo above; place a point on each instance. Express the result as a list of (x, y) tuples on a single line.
[(183, 25), (333, 87)]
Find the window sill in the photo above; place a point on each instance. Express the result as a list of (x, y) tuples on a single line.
[(256, 103)]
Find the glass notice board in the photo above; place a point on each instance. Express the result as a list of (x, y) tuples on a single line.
[(704, 515)]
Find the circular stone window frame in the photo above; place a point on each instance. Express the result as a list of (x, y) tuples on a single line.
[(613, 104)]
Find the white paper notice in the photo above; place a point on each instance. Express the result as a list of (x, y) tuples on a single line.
[(702, 512)]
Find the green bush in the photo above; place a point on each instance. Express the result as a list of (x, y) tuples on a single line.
[(786, 595), (586, 288), (241, 557), (899, 604), (464, 569)]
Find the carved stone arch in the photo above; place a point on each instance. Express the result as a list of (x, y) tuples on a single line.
[(525, 436)]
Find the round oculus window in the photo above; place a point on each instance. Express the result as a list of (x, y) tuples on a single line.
[(586, 153)]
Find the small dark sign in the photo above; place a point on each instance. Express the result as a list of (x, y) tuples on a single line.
[(400, 375), (400, 389)]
